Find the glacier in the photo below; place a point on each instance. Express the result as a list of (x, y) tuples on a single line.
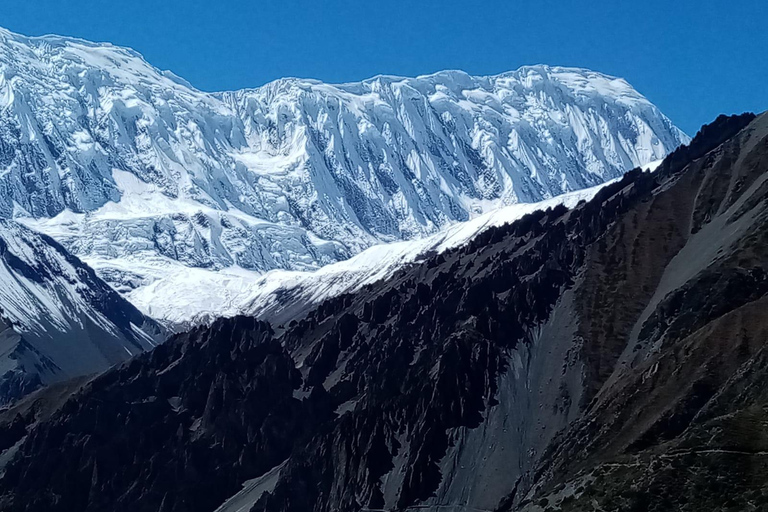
[(145, 178), (199, 296)]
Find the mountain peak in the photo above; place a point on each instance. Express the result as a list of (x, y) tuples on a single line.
[(142, 175)]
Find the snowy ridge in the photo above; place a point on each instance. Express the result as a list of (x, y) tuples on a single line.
[(57, 318), (136, 172)]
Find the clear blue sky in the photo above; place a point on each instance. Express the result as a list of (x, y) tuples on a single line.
[(694, 59)]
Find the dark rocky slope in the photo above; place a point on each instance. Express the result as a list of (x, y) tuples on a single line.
[(678, 422), (497, 375)]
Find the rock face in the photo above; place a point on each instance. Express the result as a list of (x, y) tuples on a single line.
[(141, 175), (511, 373), (58, 320), (677, 402)]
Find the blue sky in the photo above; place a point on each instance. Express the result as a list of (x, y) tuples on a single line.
[(694, 59)]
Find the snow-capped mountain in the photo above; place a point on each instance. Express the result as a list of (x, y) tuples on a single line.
[(199, 295), (57, 318), (143, 176)]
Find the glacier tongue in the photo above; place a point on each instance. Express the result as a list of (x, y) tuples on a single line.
[(140, 174), (192, 296)]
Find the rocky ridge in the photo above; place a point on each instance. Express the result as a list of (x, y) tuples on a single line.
[(58, 319)]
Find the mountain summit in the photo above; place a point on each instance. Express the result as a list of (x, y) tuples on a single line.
[(141, 175)]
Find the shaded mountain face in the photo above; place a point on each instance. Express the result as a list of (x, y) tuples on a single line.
[(58, 320), (493, 376), (677, 413), (142, 176)]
